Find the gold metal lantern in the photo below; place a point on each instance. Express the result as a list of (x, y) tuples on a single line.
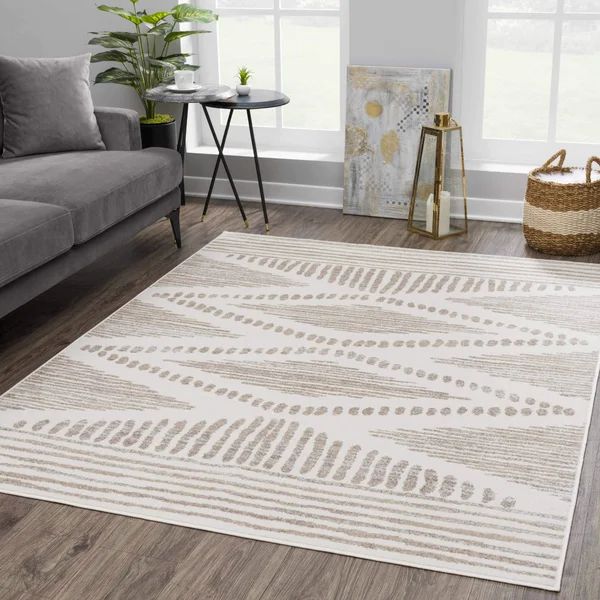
[(438, 207)]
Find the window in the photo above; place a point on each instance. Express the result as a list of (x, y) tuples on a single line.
[(296, 46), (531, 78)]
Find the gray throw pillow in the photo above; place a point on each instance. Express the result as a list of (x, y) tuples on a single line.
[(47, 106)]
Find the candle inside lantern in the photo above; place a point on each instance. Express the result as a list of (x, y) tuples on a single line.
[(444, 214)]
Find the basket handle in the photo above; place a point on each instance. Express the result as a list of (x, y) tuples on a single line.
[(561, 155), (588, 168)]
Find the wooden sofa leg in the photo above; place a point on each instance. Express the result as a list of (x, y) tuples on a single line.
[(174, 218)]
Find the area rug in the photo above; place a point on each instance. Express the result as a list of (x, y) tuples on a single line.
[(422, 408)]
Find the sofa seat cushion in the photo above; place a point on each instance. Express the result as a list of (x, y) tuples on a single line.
[(99, 188), (31, 234)]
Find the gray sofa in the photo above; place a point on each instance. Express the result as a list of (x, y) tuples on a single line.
[(60, 212)]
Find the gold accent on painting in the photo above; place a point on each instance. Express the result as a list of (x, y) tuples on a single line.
[(389, 145), (357, 141), (373, 109)]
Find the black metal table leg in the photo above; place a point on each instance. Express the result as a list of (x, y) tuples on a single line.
[(225, 165), (217, 165), (174, 218), (258, 174), (181, 148)]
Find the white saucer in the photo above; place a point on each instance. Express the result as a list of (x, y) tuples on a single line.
[(193, 88)]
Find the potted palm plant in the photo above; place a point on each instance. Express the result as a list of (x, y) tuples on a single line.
[(146, 58)]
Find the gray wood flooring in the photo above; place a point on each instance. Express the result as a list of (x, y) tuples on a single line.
[(54, 552)]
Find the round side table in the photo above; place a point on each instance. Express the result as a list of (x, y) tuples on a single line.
[(206, 93), (257, 99)]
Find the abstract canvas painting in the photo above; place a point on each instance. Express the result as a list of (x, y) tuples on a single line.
[(386, 108)]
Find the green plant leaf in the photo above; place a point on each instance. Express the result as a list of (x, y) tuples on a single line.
[(187, 13), (115, 39), (156, 62), (179, 55), (244, 74), (177, 35), (161, 29), (112, 56), (121, 12), (155, 18), (116, 75), (176, 60), (108, 41), (125, 36)]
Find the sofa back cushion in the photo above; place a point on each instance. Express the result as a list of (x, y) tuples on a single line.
[(47, 106)]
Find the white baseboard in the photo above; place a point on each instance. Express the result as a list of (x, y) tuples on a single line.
[(480, 209), (276, 193), (502, 211)]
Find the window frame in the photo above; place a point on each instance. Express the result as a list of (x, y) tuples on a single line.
[(328, 143), (518, 151)]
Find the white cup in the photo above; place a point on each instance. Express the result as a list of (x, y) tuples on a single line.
[(184, 80)]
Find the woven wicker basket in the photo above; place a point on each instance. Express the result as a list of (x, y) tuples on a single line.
[(562, 218)]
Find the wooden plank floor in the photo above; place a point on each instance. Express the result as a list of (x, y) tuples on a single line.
[(55, 552)]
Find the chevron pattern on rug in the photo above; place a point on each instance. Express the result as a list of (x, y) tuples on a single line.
[(422, 408)]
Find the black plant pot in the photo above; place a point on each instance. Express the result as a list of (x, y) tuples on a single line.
[(163, 135)]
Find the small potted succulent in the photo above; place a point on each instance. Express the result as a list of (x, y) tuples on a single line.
[(143, 57), (244, 74)]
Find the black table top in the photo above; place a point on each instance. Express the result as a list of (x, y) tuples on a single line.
[(256, 99)]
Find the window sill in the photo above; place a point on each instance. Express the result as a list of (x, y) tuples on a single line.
[(497, 167), (270, 154), (337, 157)]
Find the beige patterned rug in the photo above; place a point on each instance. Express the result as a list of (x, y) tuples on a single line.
[(421, 408)]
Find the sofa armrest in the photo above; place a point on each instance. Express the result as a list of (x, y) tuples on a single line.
[(119, 127)]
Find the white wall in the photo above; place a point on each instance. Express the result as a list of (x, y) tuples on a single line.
[(407, 33), (61, 28)]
